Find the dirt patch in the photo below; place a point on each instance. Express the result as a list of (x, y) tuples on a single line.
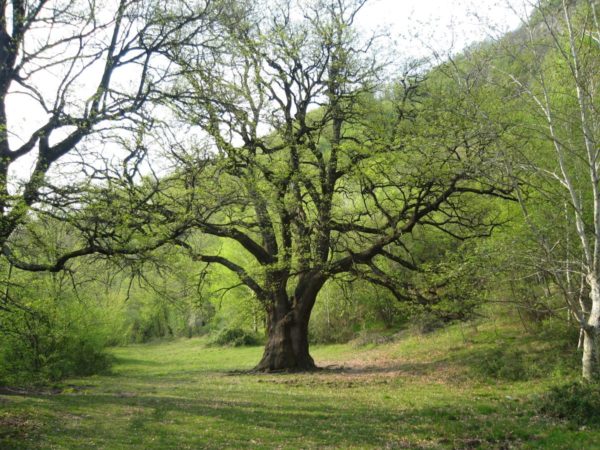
[(388, 369), (9, 390), (126, 394), (16, 426), (356, 373), (359, 371)]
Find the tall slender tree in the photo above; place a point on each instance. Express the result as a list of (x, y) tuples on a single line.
[(552, 64)]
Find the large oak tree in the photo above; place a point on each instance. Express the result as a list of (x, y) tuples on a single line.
[(314, 169)]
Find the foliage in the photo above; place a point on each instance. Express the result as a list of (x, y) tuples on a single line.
[(551, 66), (348, 308), (235, 337), (50, 334), (577, 403)]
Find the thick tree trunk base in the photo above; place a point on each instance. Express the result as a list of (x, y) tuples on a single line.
[(284, 359), (287, 348), (267, 369)]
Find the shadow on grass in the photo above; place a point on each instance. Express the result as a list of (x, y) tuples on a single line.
[(175, 422)]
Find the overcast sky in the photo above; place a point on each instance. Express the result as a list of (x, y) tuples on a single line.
[(417, 26), (444, 25)]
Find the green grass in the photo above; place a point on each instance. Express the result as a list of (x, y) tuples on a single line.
[(452, 389)]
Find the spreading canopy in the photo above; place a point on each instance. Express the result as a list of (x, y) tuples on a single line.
[(313, 168)]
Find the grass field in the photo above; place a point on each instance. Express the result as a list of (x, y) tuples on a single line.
[(456, 388)]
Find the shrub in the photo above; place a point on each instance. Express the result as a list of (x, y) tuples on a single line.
[(40, 348), (235, 337), (48, 332), (578, 403), (428, 323), (502, 364)]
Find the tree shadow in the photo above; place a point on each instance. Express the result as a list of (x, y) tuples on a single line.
[(300, 423)]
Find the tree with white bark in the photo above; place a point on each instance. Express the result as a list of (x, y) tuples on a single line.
[(552, 66)]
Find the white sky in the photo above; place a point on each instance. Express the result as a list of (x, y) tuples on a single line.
[(417, 26), (443, 25)]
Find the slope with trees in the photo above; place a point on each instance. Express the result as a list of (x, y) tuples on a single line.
[(549, 68)]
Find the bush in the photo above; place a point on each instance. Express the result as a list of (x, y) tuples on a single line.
[(40, 349), (502, 364), (428, 323), (235, 337), (48, 332), (577, 403)]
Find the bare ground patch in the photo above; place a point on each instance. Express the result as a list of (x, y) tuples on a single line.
[(17, 426), (351, 373)]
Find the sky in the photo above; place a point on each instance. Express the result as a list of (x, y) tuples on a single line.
[(418, 27)]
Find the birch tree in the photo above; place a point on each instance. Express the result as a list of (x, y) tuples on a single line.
[(557, 51)]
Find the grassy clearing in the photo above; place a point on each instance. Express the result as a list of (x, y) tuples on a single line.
[(457, 388)]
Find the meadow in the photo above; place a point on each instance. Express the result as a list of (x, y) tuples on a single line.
[(455, 388)]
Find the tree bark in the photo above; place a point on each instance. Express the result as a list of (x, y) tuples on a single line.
[(287, 347), (590, 359)]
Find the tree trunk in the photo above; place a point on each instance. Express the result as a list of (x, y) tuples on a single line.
[(589, 359), (287, 346), (590, 362)]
